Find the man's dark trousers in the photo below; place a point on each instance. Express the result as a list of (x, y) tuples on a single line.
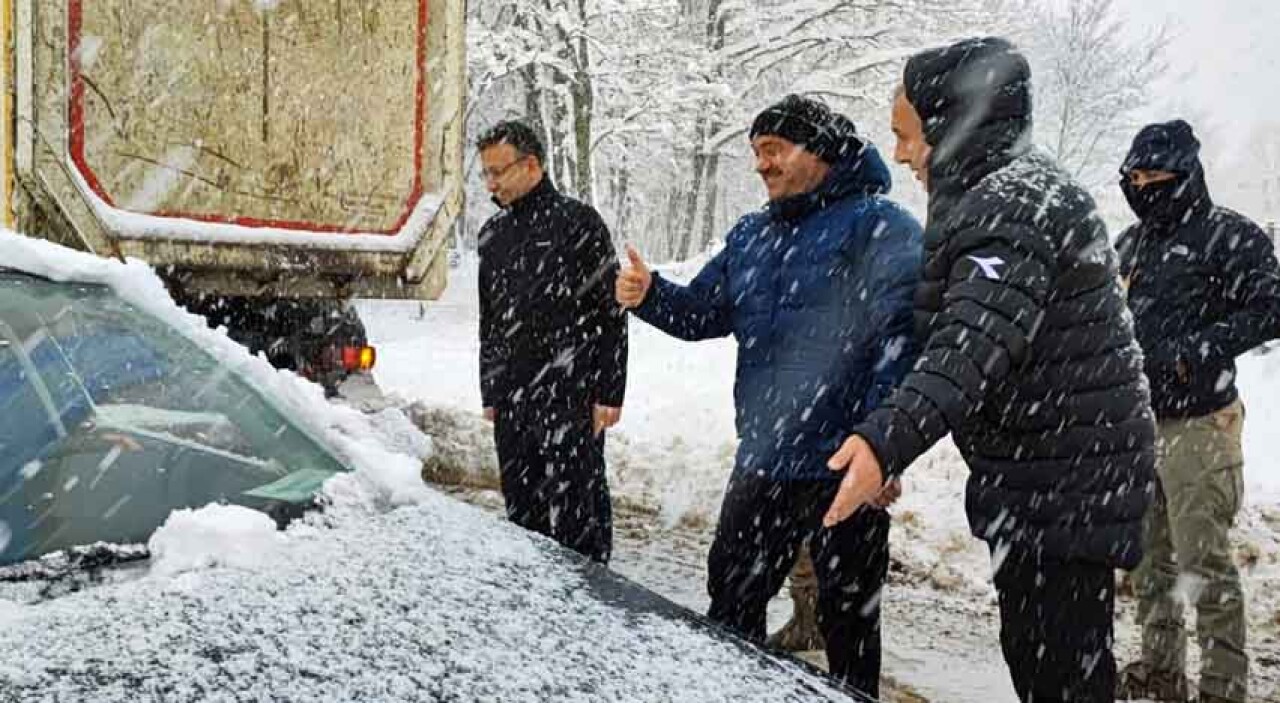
[(1056, 626), (553, 475), (762, 524)]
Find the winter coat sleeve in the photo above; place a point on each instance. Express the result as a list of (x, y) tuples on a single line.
[(895, 275), (993, 303), (1124, 249), (493, 354), (1252, 279), (700, 310), (601, 272)]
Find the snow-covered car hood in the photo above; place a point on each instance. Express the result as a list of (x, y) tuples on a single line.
[(437, 601)]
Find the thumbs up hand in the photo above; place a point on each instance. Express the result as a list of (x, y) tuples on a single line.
[(633, 281)]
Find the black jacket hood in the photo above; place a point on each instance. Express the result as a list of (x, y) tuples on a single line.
[(974, 98), (1173, 147)]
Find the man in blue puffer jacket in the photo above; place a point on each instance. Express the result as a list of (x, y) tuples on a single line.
[(817, 289)]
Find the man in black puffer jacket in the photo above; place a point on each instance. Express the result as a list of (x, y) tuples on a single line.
[(1029, 360), (1204, 288), (553, 345)]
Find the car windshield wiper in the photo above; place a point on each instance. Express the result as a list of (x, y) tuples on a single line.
[(10, 271), (75, 560)]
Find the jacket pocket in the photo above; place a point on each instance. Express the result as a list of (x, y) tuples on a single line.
[(1224, 456)]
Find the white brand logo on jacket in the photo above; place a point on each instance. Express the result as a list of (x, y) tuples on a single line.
[(988, 265)]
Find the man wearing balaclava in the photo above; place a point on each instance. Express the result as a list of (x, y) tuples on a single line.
[(1204, 288), (816, 287), (1028, 361)]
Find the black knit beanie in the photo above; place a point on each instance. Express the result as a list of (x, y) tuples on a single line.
[(809, 124)]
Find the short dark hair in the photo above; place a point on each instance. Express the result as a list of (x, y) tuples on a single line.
[(517, 134)]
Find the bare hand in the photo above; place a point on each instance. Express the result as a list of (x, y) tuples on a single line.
[(633, 281), (888, 495), (863, 479), (490, 414), (603, 417)]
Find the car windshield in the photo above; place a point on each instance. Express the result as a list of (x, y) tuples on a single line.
[(111, 420)]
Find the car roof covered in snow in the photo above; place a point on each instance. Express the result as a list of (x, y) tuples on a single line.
[(436, 601)]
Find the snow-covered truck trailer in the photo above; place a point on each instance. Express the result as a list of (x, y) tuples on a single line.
[(272, 159)]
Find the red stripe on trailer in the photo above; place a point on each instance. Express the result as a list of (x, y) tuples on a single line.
[(419, 116), (75, 117)]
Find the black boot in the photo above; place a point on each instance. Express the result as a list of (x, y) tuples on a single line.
[(1140, 682)]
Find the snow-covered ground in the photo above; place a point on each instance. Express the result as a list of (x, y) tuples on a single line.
[(673, 450)]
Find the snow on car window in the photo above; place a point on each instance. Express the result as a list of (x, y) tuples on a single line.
[(121, 420)]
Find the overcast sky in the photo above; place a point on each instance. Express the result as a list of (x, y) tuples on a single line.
[(1226, 62)]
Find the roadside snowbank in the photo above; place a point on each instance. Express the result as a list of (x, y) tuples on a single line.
[(1259, 382)]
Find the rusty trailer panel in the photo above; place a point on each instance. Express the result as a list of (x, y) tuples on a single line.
[(290, 148)]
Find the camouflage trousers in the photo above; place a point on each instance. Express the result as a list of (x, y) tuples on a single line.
[(801, 632), (1188, 552)]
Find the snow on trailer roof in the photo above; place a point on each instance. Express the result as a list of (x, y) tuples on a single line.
[(135, 225)]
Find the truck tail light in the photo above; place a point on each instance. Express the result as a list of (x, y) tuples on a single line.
[(359, 358)]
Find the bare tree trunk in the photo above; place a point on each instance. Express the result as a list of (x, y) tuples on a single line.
[(672, 247), (532, 87), (583, 108), (688, 211), (712, 181), (532, 99), (583, 178), (623, 206), (557, 150), (553, 109), (699, 221)]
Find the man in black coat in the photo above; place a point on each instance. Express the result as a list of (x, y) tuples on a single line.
[(1204, 288), (1029, 361), (553, 345)]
